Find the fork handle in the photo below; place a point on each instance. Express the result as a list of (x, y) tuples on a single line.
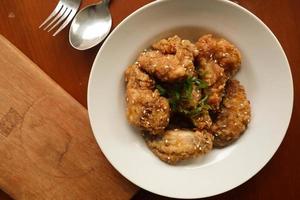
[(106, 1)]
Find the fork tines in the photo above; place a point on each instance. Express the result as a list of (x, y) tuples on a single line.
[(62, 14)]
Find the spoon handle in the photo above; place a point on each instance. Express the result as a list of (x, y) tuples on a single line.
[(106, 1)]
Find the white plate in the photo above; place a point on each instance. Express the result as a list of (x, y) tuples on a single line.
[(265, 73)]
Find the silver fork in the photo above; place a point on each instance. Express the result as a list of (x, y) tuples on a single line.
[(63, 13)]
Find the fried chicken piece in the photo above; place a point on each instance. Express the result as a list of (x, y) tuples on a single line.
[(177, 145), (166, 68), (225, 54), (175, 45), (219, 60), (210, 71), (147, 110), (136, 79), (202, 120), (216, 92), (234, 115), (171, 61)]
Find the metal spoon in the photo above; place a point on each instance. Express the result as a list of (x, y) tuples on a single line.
[(90, 26)]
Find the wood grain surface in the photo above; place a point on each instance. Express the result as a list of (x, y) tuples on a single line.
[(47, 148), (279, 179)]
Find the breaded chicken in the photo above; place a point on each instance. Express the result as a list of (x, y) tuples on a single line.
[(216, 92), (136, 79), (202, 120), (209, 71), (234, 115), (167, 68), (225, 54), (177, 145), (172, 59), (146, 109), (175, 45), (218, 61)]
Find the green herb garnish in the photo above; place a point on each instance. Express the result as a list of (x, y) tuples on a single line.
[(188, 88), (202, 106), (181, 92), (200, 83), (162, 91)]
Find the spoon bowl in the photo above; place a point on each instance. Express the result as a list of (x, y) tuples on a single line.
[(90, 26)]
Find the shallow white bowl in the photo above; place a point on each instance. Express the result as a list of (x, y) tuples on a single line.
[(265, 73)]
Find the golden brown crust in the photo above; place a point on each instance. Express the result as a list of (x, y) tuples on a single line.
[(234, 115), (136, 79), (175, 45), (202, 121), (146, 109), (177, 145), (215, 92), (171, 60), (166, 68), (219, 60), (222, 52), (210, 71)]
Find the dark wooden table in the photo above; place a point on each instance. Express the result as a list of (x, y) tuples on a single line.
[(279, 179)]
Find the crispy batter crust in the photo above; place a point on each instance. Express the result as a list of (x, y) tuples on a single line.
[(177, 145), (234, 115), (222, 52), (171, 60), (146, 109)]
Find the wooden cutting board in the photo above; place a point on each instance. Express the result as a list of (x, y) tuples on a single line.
[(47, 148)]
